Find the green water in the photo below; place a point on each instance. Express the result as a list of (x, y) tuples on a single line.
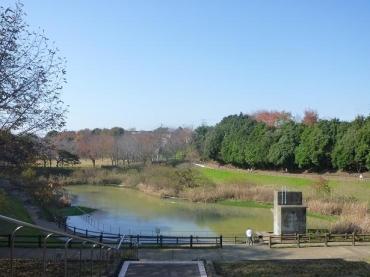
[(129, 211)]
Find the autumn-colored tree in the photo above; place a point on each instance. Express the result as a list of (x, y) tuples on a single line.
[(310, 117), (88, 145), (272, 118)]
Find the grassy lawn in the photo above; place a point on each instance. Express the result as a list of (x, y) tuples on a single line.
[(73, 210), (355, 188), (245, 203), (226, 176), (349, 187), (12, 207), (332, 267)]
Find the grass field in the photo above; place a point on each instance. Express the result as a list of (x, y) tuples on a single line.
[(229, 176), (348, 187), (306, 268)]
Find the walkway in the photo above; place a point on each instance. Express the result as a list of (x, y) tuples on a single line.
[(163, 269), (258, 252)]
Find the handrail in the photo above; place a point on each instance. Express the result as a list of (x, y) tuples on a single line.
[(26, 224), (120, 242)]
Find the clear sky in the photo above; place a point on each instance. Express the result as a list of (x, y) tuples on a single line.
[(183, 62)]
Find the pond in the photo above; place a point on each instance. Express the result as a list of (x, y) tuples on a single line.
[(128, 211)]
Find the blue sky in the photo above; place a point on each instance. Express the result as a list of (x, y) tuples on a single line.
[(183, 62)]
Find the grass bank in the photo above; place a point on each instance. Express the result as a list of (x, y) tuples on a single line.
[(72, 211), (12, 207)]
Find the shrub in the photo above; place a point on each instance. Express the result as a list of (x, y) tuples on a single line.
[(29, 174), (322, 187)]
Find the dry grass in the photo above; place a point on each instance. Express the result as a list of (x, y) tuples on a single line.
[(353, 215), (351, 223), (237, 192), (90, 176), (327, 206)]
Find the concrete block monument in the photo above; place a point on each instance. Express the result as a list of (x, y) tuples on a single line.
[(289, 213)]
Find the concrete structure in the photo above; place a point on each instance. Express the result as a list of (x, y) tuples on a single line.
[(168, 268), (289, 213)]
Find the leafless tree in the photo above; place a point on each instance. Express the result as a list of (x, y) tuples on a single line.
[(32, 75)]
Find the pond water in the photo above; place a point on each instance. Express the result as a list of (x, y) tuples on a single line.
[(123, 210)]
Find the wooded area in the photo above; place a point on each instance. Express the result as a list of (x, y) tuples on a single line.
[(273, 140)]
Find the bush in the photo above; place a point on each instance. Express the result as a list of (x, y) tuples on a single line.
[(322, 187), (29, 174)]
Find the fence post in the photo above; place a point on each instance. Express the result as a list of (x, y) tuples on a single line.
[(44, 253), (101, 237), (353, 239), (138, 239), (74, 230), (39, 237), (161, 241), (12, 239), (235, 240), (92, 259), (191, 241), (298, 242), (269, 241), (66, 257), (326, 239), (80, 261), (221, 241)]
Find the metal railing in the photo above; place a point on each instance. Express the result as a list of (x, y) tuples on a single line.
[(112, 251)]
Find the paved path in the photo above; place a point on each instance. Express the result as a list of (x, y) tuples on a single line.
[(259, 252), (227, 253), (163, 269)]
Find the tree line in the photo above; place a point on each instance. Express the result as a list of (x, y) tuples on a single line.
[(275, 140), (118, 145)]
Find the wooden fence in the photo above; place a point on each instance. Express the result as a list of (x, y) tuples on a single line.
[(34, 241), (311, 239)]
